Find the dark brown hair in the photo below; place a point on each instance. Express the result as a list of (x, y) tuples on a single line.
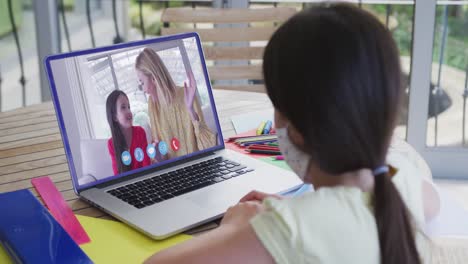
[(118, 139), (334, 72)]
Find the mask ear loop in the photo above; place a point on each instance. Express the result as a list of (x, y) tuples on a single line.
[(309, 160), (287, 131)]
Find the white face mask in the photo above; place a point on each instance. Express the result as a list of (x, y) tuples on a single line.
[(294, 157)]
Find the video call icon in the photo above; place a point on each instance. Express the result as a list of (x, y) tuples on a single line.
[(139, 155), (126, 158), (162, 146), (175, 144), (151, 151)]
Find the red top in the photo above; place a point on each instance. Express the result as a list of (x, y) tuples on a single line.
[(138, 141)]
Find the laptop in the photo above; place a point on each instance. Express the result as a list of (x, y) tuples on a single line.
[(152, 185)]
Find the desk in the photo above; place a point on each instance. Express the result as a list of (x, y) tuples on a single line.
[(31, 144)]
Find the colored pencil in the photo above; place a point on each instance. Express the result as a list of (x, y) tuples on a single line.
[(266, 152), (260, 128), (276, 150), (254, 143), (267, 127), (280, 157), (258, 138), (248, 137), (263, 147)]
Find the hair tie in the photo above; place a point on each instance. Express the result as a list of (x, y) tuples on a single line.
[(381, 170)]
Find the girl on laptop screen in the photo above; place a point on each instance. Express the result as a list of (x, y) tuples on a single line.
[(128, 145), (333, 75)]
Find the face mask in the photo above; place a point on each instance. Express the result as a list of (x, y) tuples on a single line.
[(294, 157)]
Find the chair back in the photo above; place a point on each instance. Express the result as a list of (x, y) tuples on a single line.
[(233, 40)]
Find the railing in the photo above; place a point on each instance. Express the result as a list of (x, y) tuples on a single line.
[(440, 51), (63, 14), (22, 78)]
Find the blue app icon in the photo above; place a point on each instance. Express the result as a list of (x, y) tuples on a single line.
[(126, 158), (151, 151), (162, 146), (139, 155)]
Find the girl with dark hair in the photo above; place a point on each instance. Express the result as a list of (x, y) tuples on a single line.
[(127, 146), (333, 75)]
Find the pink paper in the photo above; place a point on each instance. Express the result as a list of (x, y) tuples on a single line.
[(59, 208)]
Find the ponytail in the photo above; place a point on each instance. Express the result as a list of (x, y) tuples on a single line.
[(396, 233)]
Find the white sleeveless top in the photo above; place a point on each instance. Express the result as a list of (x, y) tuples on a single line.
[(337, 225)]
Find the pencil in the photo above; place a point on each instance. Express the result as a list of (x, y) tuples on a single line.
[(263, 147), (255, 138), (260, 128), (247, 137), (261, 151), (255, 143), (267, 127)]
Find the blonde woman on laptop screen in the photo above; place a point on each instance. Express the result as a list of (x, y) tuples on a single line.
[(174, 112)]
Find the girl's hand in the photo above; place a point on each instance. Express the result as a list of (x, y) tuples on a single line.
[(241, 213), (190, 90), (258, 196)]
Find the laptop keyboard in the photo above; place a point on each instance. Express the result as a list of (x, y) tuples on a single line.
[(166, 186)]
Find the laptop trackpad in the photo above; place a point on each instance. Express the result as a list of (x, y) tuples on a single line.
[(219, 197)]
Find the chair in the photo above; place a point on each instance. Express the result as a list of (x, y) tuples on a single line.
[(238, 37)]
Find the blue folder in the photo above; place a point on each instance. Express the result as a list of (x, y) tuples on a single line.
[(30, 234)]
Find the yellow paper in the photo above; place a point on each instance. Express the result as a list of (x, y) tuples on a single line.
[(115, 242), (4, 258)]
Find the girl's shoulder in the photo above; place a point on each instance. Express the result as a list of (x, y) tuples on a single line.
[(326, 207), (318, 223)]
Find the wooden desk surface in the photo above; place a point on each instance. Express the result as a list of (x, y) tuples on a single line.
[(31, 144)]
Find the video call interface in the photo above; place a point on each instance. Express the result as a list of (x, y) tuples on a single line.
[(134, 107)]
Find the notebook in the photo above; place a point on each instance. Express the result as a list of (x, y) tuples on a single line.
[(30, 234)]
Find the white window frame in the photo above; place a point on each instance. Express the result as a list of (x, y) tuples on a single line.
[(445, 162)]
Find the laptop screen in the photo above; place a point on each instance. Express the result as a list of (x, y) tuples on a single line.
[(132, 107)]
